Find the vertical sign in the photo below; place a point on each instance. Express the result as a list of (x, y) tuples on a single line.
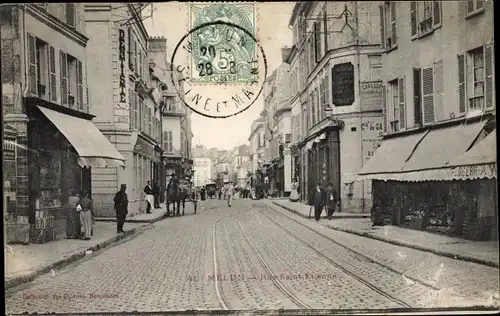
[(343, 84), (121, 39)]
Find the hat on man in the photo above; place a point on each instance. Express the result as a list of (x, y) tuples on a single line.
[(123, 186)]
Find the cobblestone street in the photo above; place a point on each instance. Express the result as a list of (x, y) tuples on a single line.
[(254, 256)]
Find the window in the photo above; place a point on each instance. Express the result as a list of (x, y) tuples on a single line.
[(150, 122), (417, 96), (313, 109), (131, 50), (72, 81), (428, 95), (42, 69), (318, 106), (475, 74), (425, 17), (474, 7), (311, 55), (168, 142), (317, 41), (393, 106), (70, 14), (388, 33)]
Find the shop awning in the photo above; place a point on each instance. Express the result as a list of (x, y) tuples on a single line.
[(93, 148), (442, 145), (390, 157), (477, 163)]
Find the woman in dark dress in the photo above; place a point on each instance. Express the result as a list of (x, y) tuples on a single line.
[(73, 225)]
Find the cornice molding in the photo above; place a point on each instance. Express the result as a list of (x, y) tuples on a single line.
[(56, 24)]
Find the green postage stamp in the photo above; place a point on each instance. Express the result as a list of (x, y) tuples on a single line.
[(224, 44)]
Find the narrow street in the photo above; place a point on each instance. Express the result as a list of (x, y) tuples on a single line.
[(253, 256)]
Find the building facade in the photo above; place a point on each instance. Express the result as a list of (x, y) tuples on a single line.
[(202, 170), (335, 78), (239, 158), (119, 77), (45, 107), (439, 103), (257, 152)]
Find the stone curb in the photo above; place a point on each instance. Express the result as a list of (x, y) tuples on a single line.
[(75, 257), (334, 217), (419, 247), (405, 244), (147, 221)]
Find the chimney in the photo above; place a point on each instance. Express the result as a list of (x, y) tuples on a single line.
[(157, 44), (285, 52)]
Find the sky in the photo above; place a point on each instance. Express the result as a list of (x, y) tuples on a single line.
[(170, 20)]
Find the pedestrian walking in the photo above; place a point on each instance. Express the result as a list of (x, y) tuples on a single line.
[(73, 225), (331, 202), (86, 216), (121, 207), (194, 198), (156, 195), (229, 194), (149, 197), (319, 202)]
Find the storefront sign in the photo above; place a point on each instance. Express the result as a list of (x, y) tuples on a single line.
[(143, 148), (343, 84), (371, 95), (475, 172), (123, 82), (371, 135), (172, 162)]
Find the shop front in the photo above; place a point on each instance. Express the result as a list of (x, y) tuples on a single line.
[(440, 180), (173, 165), (63, 146)]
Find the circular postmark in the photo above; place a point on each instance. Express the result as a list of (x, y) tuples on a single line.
[(218, 69)]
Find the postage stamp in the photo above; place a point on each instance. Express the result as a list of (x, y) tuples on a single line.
[(218, 68), (221, 53)]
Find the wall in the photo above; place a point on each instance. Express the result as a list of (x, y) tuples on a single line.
[(456, 35)]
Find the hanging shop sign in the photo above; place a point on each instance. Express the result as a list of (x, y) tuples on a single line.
[(173, 162), (121, 40), (370, 94), (343, 84), (144, 148)]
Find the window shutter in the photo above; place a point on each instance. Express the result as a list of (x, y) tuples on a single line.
[(438, 84), (165, 139), (131, 51), (382, 26), (488, 67), (437, 13), (402, 112), (384, 108), (428, 94), (132, 110), (33, 84), (417, 93), (413, 16), (63, 64), (70, 14), (79, 79), (135, 55), (393, 23), (325, 30), (470, 6), (52, 74), (479, 4), (461, 83)]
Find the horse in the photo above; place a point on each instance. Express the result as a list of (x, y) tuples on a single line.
[(176, 194)]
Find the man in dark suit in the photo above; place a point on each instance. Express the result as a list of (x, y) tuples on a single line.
[(319, 202), (121, 208), (156, 194), (331, 200)]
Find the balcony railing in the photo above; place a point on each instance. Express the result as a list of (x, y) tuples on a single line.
[(426, 26), (476, 103)]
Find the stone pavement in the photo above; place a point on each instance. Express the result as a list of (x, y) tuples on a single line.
[(25, 262), (156, 215), (303, 210), (486, 253)]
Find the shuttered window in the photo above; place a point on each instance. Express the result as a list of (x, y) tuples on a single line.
[(150, 123), (428, 95), (413, 18), (70, 14), (439, 89), (33, 75), (402, 105), (313, 109), (79, 85), (394, 36), (63, 65), (317, 41), (474, 6), (131, 51), (167, 142), (417, 96), (382, 25), (384, 108), (489, 80), (461, 83), (52, 74), (437, 13)]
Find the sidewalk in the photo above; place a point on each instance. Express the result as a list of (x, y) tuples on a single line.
[(485, 253), (155, 216), (303, 210), (24, 263)]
